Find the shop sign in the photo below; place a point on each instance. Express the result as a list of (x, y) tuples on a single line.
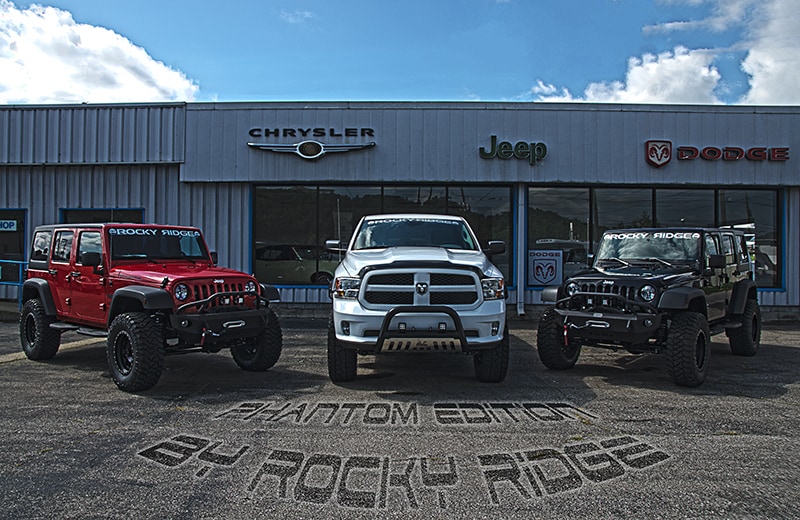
[(310, 150), (545, 267), (533, 152), (659, 152), (8, 225)]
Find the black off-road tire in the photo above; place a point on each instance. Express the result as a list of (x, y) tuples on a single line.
[(38, 340), (261, 352), (491, 365), (745, 340), (135, 351), (550, 343), (342, 362), (688, 349)]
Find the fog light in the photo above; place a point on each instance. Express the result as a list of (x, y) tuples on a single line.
[(401, 327), (184, 323), (442, 327), (495, 328), (346, 328), (648, 323)]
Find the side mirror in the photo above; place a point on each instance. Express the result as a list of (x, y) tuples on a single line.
[(91, 259), (496, 247), (716, 261), (214, 257), (334, 246)]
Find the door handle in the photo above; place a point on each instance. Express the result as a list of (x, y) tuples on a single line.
[(75, 274)]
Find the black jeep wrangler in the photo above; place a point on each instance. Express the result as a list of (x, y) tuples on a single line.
[(656, 290)]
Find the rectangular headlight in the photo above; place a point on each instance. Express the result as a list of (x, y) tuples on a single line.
[(493, 288), (346, 287)]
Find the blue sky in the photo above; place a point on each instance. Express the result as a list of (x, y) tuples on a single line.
[(637, 51)]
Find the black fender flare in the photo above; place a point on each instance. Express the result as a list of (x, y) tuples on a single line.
[(39, 288), (742, 291), (150, 298), (680, 298), (270, 293), (551, 294)]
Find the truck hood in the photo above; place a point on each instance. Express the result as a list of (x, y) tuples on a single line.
[(154, 273), (660, 276), (355, 261)]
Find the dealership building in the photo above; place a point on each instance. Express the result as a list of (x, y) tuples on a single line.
[(270, 182)]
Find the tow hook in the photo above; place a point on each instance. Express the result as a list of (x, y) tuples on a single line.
[(205, 333), (566, 337)]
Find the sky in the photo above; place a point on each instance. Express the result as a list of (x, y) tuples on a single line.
[(734, 52)]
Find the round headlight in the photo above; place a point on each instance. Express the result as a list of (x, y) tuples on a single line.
[(181, 291), (648, 293), (572, 289), (250, 286)]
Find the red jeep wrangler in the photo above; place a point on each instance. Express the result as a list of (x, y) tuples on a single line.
[(153, 290)]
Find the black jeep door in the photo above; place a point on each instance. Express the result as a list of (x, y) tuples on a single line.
[(716, 282)]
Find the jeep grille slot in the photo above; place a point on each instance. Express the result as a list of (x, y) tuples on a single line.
[(625, 291), (201, 291)]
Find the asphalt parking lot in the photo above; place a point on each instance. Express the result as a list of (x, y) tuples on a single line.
[(415, 436)]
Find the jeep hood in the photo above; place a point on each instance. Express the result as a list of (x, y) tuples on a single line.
[(355, 261), (154, 273), (663, 276)]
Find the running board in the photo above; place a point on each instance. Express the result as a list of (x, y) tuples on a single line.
[(63, 327), (92, 332)]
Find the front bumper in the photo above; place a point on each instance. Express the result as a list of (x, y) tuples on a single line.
[(618, 322), (419, 328), (220, 327)]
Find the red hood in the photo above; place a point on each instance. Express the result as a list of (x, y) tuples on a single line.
[(154, 273)]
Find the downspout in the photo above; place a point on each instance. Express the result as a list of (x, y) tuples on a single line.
[(522, 227)]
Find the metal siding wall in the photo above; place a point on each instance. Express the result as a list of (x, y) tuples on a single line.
[(92, 134)]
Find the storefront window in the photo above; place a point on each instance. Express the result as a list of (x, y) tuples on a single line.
[(415, 199), (341, 208), (755, 211), (672, 207), (292, 223), (12, 244), (558, 220), (488, 211), (617, 208)]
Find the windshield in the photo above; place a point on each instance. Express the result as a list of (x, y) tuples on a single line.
[(156, 243), (671, 246), (414, 232)]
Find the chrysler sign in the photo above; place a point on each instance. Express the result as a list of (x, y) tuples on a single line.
[(659, 152)]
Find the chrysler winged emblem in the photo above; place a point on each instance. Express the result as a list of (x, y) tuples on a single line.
[(310, 150)]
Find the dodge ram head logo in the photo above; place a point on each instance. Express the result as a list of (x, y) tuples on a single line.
[(422, 288), (658, 153), (310, 150), (544, 270)]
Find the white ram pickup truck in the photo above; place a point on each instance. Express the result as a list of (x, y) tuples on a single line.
[(415, 282)]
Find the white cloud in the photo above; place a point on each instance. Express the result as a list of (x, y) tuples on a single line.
[(46, 57), (297, 17), (682, 76), (773, 60), (769, 37)]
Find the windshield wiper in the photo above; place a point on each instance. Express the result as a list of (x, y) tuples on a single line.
[(659, 260), (619, 260)]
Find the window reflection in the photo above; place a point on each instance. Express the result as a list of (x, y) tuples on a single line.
[(755, 211), (292, 223)]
